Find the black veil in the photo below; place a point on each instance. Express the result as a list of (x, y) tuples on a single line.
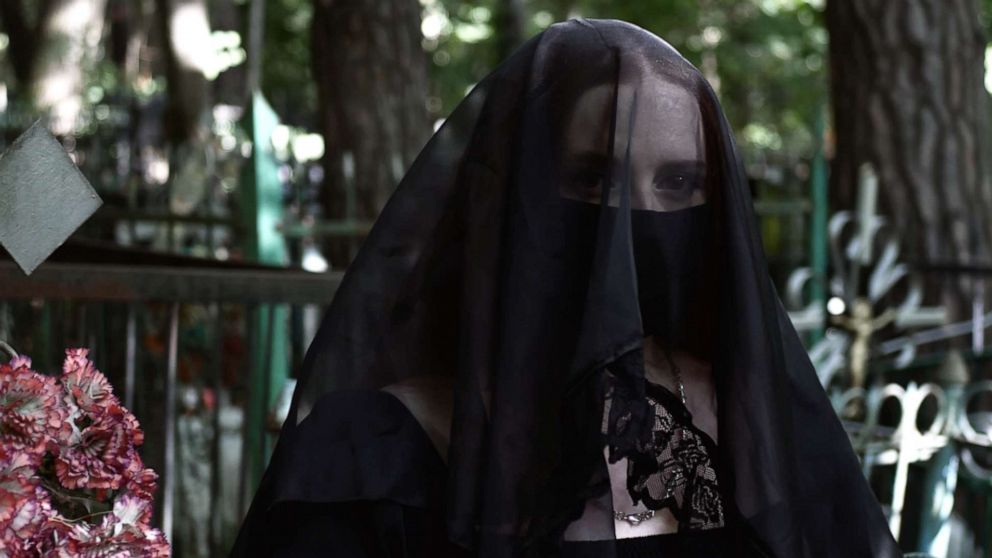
[(505, 275)]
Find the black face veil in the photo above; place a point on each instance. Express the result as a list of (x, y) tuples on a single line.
[(585, 194)]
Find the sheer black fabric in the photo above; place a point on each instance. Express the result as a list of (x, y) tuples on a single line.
[(584, 195)]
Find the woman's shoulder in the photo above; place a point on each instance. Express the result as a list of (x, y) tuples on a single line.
[(360, 445), (356, 410)]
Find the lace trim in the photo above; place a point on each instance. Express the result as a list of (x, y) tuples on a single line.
[(669, 462)]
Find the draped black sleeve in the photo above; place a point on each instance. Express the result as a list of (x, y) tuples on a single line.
[(367, 482)]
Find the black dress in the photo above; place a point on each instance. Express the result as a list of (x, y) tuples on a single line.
[(370, 458), (370, 485), (712, 543)]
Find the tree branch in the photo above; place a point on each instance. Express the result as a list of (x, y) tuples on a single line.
[(23, 39)]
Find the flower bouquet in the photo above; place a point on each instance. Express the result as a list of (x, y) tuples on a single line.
[(71, 480)]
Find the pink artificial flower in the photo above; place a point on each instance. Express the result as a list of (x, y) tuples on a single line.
[(17, 481), (23, 533), (24, 504), (131, 510), (123, 533), (142, 484), (101, 455), (32, 416), (87, 387), (92, 439)]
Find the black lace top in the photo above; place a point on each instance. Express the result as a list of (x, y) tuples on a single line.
[(673, 467)]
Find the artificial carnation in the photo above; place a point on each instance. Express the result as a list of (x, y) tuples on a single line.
[(22, 533), (87, 387), (142, 483), (100, 453), (17, 481), (71, 480), (32, 416), (99, 456), (121, 534)]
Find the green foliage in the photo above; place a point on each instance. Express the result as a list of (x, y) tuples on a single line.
[(461, 40), (286, 75), (766, 57)]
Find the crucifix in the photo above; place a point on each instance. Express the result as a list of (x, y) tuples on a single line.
[(862, 324), (866, 273)]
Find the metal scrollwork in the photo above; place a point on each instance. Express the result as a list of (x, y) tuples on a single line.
[(896, 425), (866, 272)]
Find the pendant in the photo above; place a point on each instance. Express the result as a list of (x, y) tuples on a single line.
[(634, 519)]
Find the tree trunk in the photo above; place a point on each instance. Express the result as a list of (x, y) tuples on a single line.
[(371, 75), (70, 34), (511, 23), (130, 22), (23, 35), (909, 98), (229, 87), (185, 29)]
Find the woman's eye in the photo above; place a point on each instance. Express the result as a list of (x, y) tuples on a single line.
[(673, 182), (588, 180)]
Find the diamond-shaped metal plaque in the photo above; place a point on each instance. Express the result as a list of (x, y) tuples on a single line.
[(43, 197)]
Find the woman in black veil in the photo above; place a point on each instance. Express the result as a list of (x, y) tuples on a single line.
[(561, 339)]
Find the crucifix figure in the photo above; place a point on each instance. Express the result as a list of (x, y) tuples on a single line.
[(862, 325)]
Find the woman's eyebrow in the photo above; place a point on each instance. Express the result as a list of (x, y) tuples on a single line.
[(596, 160), (687, 166)]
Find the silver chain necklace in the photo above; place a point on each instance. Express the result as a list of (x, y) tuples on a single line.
[(635, 518), (677, 374)]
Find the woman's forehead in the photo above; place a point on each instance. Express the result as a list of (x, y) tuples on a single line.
[(660, 116)]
